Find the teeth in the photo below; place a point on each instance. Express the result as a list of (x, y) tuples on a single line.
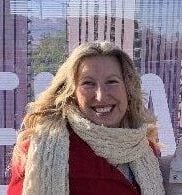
[(102, 110)]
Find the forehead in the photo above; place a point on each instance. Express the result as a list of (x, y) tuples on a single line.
[(100, 65)]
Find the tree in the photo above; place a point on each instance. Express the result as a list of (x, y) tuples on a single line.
[(50, 54)]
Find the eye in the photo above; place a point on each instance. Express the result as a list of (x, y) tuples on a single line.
[(113, 81), (88, 83)]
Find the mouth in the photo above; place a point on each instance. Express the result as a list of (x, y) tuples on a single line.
[(103, 109)]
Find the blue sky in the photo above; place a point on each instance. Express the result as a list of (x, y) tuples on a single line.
[(50, 8), (151, 9)]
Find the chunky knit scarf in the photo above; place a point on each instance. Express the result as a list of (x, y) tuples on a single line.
[(47, 169)]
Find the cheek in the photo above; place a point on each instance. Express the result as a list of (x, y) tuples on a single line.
[(82, 96), (122, 97)]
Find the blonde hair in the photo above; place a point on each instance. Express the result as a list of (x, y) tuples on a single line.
[(50, 104), (152, 134)]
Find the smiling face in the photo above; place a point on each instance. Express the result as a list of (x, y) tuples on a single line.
[(100, 90)]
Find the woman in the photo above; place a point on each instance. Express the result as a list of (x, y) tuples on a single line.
[(86, 134)]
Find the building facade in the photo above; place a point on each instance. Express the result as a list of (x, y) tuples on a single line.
[(13, 58), (101, 20), (157, 47)]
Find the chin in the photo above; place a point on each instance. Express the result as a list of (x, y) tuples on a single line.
[(109, 125)]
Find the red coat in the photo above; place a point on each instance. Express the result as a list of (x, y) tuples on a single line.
[(88, 173)]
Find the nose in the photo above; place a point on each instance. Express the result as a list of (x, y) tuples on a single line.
[(100, 93)]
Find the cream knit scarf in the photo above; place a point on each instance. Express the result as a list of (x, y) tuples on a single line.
[(47, 169)]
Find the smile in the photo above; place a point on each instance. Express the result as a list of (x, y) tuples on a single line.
[(105, 109)]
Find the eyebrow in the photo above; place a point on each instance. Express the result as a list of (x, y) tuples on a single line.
[(86, 77), (110, 76), (114, 75)]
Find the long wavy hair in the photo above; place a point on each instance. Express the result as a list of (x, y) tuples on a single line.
[(50, 104)]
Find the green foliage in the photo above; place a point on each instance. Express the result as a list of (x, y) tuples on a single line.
[(50, 54)]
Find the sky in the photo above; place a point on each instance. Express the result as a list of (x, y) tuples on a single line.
[(38, 8), (56, 9)]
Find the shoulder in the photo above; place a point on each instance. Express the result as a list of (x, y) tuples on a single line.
[(18, 168), (19, 156)]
